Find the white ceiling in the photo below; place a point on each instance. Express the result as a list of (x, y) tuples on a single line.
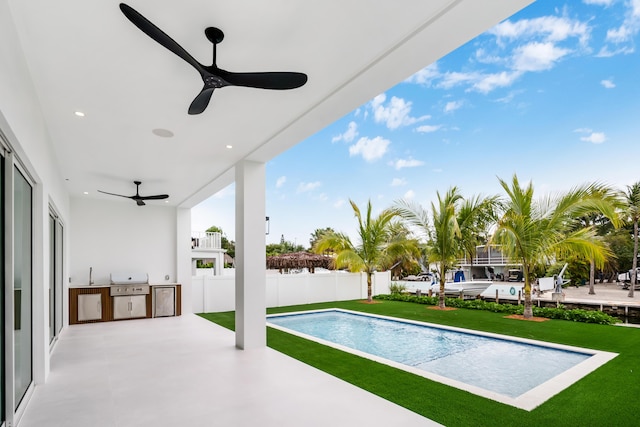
[(86, 56)]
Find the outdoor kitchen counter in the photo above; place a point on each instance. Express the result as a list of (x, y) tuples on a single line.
[(88, 286), (94, 303)]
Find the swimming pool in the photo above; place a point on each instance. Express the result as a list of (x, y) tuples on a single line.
[(519, 372)]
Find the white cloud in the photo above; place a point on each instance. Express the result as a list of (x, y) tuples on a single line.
[(406, 163), (303, 187), (349, 135), (595, 138), (509, 97), (398, 182), (280, 182), (608, 84), (545, 28), (621, 34), (519, 47), (409, 195), (606, 53), (626, 32), (490, 82), (605, 3), (370, 149), (583, 130), (452, 106), (428, 128), (537, 56), (485, 57), (339, 203), (425, 76), (322, 197), (455, 78), (395, 114)]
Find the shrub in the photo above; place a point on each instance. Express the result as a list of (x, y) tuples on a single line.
[(397, 288), (575, 315)]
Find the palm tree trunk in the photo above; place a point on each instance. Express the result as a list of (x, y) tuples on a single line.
[(369, 298), (528, 305), (635, 259), (592, 277), (441, 294)]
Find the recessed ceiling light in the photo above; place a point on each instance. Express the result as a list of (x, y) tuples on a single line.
[(85, 192), (79, 113), (229, 146), (164, 133)]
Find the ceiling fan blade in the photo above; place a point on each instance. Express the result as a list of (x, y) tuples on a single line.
[(201, 101), (114, 194), (158, 35), (156, 197), (266, 80), (140, 202)]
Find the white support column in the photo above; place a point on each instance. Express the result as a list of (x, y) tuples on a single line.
[(183, 257), (250, 255)]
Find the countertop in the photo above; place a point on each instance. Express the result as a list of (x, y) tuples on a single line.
[(75, 285), (84, 286)]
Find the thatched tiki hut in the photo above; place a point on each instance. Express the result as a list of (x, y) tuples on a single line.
[(299, 260)]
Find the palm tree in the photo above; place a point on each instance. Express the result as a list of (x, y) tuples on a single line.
[(536, 232), (475, 216), (601, 225), (632, 211), (404, 251), (375, 243), (451, 219)]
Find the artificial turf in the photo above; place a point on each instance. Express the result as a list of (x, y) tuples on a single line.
[(607, 397)]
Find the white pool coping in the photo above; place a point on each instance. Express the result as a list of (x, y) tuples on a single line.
[(527, 401)]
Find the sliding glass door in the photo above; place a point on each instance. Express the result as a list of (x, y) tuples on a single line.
[(59, 279), (22, 285), (2, 283), (55, 275), (52, 277)]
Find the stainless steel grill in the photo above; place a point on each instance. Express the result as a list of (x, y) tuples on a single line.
[(129, 294), (126, 290)]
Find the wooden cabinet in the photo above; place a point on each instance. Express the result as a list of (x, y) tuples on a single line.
[(95, 304), (89, 305)]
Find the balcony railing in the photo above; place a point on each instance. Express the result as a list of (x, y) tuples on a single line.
[(488, 255), (493, 259), (206, 240)]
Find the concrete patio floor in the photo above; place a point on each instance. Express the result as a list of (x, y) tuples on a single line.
[(186, 371)]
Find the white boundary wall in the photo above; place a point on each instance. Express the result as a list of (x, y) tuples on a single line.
[(217, 293)]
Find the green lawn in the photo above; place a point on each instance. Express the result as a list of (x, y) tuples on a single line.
[(607, 397)]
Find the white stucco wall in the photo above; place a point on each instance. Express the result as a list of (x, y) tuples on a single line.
[(121, 237), (22, 124)]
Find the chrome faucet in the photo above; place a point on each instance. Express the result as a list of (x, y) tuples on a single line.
[(90, 275)]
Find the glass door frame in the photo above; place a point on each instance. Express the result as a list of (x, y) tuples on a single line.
[(56, 275), (13, 410)]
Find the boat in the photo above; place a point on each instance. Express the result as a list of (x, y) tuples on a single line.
[(469, 288)]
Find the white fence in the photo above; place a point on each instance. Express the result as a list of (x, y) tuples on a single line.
[(217, 293)]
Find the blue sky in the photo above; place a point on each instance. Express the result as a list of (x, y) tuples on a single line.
[(551, 94)]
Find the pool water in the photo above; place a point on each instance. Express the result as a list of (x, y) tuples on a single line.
[(500, 365)]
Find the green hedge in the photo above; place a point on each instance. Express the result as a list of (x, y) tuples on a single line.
[(575, 315)]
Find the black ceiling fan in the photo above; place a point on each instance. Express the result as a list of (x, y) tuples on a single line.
[(212, 76), (137, 197)]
